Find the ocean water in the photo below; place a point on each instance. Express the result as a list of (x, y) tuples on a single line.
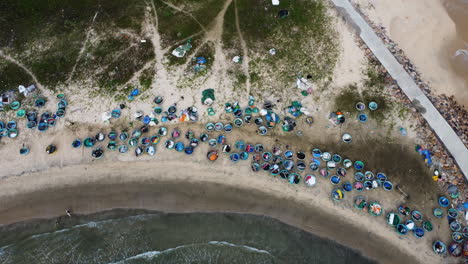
[(168, 238)]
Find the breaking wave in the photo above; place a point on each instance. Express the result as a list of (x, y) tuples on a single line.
[(149, 255)]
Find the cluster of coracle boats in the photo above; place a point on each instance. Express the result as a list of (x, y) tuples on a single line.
[(42, 122), (285, 163)]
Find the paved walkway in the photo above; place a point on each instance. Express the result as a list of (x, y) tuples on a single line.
[(440, 126)]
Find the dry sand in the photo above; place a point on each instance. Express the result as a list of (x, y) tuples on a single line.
[(429, 37)]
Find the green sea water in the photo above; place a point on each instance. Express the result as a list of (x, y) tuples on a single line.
[(169, 238)]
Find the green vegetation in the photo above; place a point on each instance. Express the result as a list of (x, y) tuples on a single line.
[(207, 51), (175, 25), (305, 40), (47, 35), (122, 70), (346, 101), (146, 78), (12, 76), (375, 79), (230, 36), (173, 60)]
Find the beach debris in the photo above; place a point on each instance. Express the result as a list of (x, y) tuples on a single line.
[(272, 51), (425, 153), (133, 93), (26, 91), (200, 64), (181, 50), (283, 13), (237, 59), (275, 2), (189, 114), (303, 84), (106, 116), (403, 131), (208, 96)]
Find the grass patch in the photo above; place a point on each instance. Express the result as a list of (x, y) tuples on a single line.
[(174, 61), (146, 78), (174, 25), (122, 70), (47, 35), (305, 41), (346, 100), (207, 51), (375, 79), (12, 76), (230, 37)]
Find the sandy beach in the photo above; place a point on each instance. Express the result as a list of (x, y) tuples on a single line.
[(430, 38), (45, 186), (167, 183)]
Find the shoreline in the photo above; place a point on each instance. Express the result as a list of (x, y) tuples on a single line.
[(175, 190)]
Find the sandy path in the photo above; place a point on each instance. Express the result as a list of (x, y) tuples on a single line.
[(245, 51), (185, 12), (161, 74), (83, 48)]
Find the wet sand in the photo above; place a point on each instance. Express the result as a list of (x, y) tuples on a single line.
[(188, 196)]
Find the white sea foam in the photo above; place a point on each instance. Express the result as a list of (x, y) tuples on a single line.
[(94, 224), (152, 254), (224, 243)]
